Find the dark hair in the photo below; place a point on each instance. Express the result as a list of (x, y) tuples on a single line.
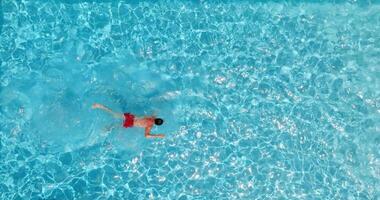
[(158, 121)]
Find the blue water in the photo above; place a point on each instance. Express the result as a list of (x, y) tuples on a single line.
[(261, 100)]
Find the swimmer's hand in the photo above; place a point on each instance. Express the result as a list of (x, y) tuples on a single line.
[(155, 136)]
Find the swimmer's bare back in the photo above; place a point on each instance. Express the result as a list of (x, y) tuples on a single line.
[(132, 121)]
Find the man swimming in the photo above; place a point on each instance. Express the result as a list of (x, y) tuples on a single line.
[(130, 120)]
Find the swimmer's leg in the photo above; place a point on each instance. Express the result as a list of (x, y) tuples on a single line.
[(108, 129), (102, 107)]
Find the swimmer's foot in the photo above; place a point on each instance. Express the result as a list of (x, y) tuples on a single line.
[(107, 130), (96, 105)]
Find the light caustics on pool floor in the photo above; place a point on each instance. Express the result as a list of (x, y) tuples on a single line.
[(261, 100)]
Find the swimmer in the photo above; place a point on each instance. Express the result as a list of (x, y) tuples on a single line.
[(130, 120)]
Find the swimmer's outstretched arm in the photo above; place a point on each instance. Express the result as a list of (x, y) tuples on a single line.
[(148, 135), (102, 107)]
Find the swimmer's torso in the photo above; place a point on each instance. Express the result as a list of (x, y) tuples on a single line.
[(143, 122)]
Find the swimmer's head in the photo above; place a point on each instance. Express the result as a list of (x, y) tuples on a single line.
[(158, 121)]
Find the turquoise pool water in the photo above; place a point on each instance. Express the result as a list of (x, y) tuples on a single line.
[(262, 100)]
